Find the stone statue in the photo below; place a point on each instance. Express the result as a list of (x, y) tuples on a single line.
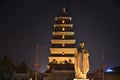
[(81, 62)]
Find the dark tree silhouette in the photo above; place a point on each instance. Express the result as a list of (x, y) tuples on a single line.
[(6, 68), (22, 68)]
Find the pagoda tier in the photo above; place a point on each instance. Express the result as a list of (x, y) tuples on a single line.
[(58, 29), (63, 50), (63, 43), (63, 35)]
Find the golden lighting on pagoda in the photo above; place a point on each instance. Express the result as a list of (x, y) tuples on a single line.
[(63, 29), (63, 21), (63, 44), (63, 36)]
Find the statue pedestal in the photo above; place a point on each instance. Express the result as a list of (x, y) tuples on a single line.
[(80, 79)]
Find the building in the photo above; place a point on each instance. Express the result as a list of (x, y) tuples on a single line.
[(61, 59)]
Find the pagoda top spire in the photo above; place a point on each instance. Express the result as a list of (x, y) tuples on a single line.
[(64, 9)]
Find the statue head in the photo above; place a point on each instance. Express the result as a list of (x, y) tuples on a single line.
[(82, 44)]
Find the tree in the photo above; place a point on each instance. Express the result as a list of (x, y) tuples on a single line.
[(6, 68), (1, 72), (22, 68)]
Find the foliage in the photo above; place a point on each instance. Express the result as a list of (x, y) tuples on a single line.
[(22, 68), (6, 68)]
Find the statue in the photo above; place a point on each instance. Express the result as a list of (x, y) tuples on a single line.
[(81, 62)]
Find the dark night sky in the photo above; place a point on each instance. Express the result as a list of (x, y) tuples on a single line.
[(24, 23)]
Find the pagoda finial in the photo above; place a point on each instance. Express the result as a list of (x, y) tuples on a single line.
[(63, 9)]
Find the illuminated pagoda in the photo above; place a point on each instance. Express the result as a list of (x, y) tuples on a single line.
[(61, 59)]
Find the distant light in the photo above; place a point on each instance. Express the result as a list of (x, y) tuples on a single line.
[(109, 70)]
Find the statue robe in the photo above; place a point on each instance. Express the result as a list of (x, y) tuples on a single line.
[(81, 64)]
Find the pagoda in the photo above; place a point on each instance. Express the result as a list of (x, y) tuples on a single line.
[(63, 43), (62, 50)]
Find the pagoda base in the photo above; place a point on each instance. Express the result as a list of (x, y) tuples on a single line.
[(80, 79)]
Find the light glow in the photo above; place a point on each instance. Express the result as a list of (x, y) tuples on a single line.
[(63, 29), (63, 44), (66, 25), (109, 70), (63, 21), (63, 36)]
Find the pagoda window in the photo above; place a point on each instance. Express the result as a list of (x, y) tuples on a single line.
[(63, 36), (63, 21), (63, 45), (63, 29), (63, 53)]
